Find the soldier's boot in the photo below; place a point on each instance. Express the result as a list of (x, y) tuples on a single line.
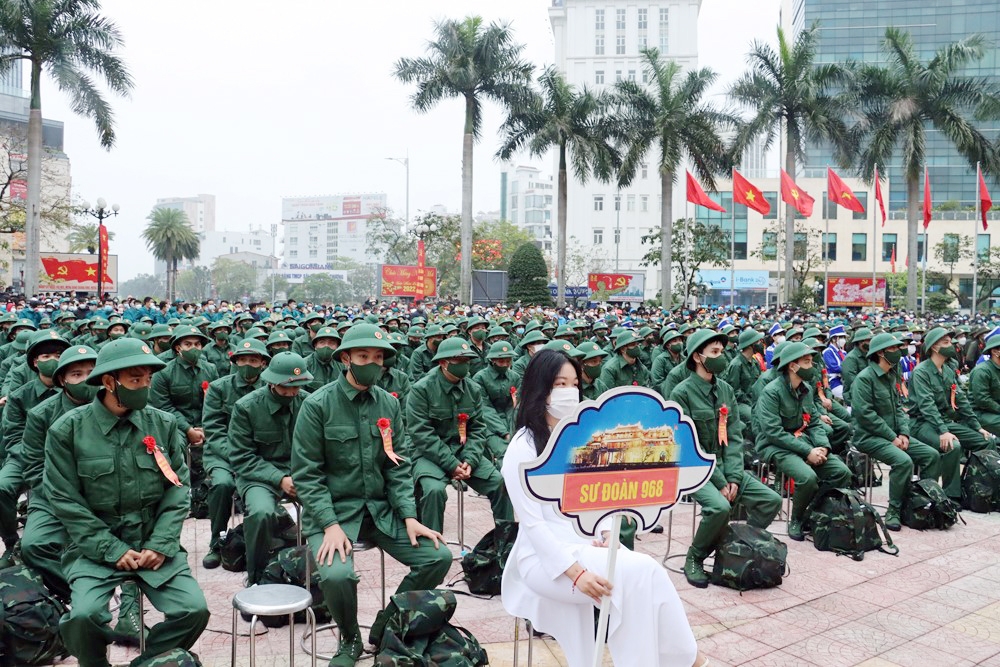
[(350, 649), (8, 559), (127, 627), (795, 531), (892, 521), (694, 568), (212, 559)]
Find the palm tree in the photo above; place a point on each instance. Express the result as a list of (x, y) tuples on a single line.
[(85, 238), (73, 42), (670, 115), (902, 99), (472, 62), (170, 238), (567, 120), (785, 88)]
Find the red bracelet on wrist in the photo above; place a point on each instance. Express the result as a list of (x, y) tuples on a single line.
[(578, 578)]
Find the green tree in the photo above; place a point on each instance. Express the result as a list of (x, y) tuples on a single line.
[(670, 115), (388, 241), (695, 245), (572, 122), (807, 257), (904, 98), (233, 280), (528, 277), (787, 89), (141, 286), (955, 249), (73, 42), (510, 237), (194, 284), (321, 288), (472, 62), (84, 238), (170, 238)]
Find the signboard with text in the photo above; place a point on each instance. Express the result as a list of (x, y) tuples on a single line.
[(405, 281), (619, 287), (854, 292), (76, 272), (719, 279)]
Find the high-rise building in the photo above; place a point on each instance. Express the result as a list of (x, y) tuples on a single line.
[(855, 30), (527, 201), (200, 210), (598, 42), (320, 230)]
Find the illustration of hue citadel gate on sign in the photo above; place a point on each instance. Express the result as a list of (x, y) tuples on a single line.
[(626, 447)]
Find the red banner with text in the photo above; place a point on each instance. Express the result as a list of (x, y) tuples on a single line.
[(406, 281), (854, 292)]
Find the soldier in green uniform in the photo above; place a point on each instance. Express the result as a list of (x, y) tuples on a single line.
[(625, 369), (15, 357), (709, 400), (790, 434), (219, 350), (834, 416), (352, 475), (882, 429), (123, 507), (743, 371), (260, 447), (677, 374), (591, 362), (323, 364), (477, 331), (855, 361), (278, 341), (531, 343), (442, 451), (421, 360), (671, 355), (393, 380), (941, 413), (159, 339), (984, 387), (499, 384), (304, 344)]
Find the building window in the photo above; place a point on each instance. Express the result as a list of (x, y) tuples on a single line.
[(620, 45), (513, 201), (983, 247), (644, 203), (618, 202), (642, 18), (618, 235), (598, 237), (863, 198), (630, 203), (631, 75), (599, 77), (619, 19), (293, 254), (598, 202), (644, 168), (772, 199), (618, 75), (599, 19), (312, 254), (801, 248), (831, 246), (645, 75), (664, 26), (859, 247), (293, 240), (769, 245), (921, 238), (888, 243), (599, 45)]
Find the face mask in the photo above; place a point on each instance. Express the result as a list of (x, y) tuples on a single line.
[(519, 330), (630, 352), (962, 340), (315, 326), (807, 374), (191, 355), (758, 348), (366, 374), (81, 392), (535, 348), (131, 399), (222, 338), (911, 350), (116, 335), (325, 354), (893, 357), (281, 400), (593, 372), (917, 337), (840, 342), (779, 339), (677, 348), (249, 373), (459, 370), (562, 402), (479, 335), (48, 367), (501, 370), (947, 352), (715, 365)]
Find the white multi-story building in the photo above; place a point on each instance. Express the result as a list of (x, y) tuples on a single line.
[(217, 244), (526, 199), (200, 210), (320, 230), (597, 43)]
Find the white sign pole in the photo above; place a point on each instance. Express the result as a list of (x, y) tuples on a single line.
[(602, 623)]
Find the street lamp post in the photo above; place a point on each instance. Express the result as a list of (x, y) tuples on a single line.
[(423, 231), (405, 161), (618, 226), (101, 212)]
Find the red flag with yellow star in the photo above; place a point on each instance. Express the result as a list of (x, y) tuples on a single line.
[(838, 192), (749, 195), (794, 195)]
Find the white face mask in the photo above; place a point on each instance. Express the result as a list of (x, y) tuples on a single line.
[(535, 348), (840, 342), (962, 340), (779, 339), (911, 350), (562, 402)]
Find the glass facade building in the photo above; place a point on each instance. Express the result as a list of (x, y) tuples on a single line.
[(854, 29)]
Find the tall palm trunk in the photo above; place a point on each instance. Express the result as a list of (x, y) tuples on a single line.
[(790, 286), (912, 201), (561, 251), (32, 213), (465, 290), (666, 225), (171, 279)]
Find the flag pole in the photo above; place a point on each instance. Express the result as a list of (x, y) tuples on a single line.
[(732, 247), (826, 236), (874, 207), (923, 298), (975, 245)]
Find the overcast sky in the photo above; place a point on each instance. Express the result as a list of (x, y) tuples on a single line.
[(252, 101)]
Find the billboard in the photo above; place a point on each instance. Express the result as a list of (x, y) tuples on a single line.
[(854, 292), (69, 272), (335, 207), (295, 274), (400, 280), (618, 287), (718, 279)]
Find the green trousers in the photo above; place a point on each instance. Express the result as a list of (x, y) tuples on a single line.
[(969, 439), (434, 495), (83, 629), (761, 503), (220, 502), (839, 433), (497, 447), (339, 582), (11, 486), (261, 508), (990, 421), (901, 463), (807, 478), (42, 546)]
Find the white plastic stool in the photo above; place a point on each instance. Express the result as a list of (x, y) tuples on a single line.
[(274, 600)]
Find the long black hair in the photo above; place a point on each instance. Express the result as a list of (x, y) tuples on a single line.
[(536, 385)]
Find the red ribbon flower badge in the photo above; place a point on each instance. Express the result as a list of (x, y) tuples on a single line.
[(954, 389), (820, 392), (805, 424), (394, 395), (513, 396), (204, 386), (826, 378), (161, 460), (385, 429), (723, 425), (463, 420)]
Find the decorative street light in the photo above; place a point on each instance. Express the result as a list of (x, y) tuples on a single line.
[(425, 230), (101, 212), (405, 161)]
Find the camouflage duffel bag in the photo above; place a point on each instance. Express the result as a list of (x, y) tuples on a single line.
[(288, 566), (747, 558), (29, 619), (414, 630), (177, 657), (841, 521)]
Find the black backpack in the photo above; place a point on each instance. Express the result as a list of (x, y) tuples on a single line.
[(981, 482), (483, 566), (29, 619), (177, 657), (927, 506), (233, 550), (748, 557), (841, 521), (199, 498)]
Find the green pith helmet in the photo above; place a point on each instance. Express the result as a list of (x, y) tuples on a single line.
[(883, 341), (991, 342), (45, 340), (504, 350), (22, 339), (325, 333), (454, 347), (563, 346), (249, 346), (221, 324), (748, 338), (497, 332), (793, 351), (590, 349), (278, 337), (70, 356), (366, 335), (862, 334), (188, 331), (158, 331), (121, 354), (23, 323), (287, 369), (140, 330), (932, 337), (814, 343), (532, 337), (433, 330), (257, 333), (700, 338), (626, 337)]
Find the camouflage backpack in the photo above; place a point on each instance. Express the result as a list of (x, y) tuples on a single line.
[(748, 557), (288, 566), (483, 566), (414, 631), (842, 522), (863, 469), (29, 619), (199, 498), (233, 550), (177, 657), (981, 482), (927, 506)]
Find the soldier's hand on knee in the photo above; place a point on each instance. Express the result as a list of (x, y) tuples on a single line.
[(729, 491), (906, 442), (150, 559), (816, 456), (945, 440), (415, 529), (129, 561), (986, 434), (334, 541), (288, 486)]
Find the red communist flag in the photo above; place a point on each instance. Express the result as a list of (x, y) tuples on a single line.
[(794, 195), (878, 196), (985, 203), (696, 195), (927, 199), (749, 195), (838, 192)]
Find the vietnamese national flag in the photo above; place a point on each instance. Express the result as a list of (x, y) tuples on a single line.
[(838, 192), (927, 198), (696, 195), (892, 260), (794, 195), (878, 196), (985, 203), (749, 195)]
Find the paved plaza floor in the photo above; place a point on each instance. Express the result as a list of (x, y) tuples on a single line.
[(936, 604)]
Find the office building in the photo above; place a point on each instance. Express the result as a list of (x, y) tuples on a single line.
[(200, 210), (526, 199), (319, 230)]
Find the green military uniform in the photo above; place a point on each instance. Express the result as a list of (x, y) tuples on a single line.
[(323, 365), (111, 496), (393, 380), (742, 373), (432, 419), (704, 400), (677, 374), (671, 356), (984, 389), (855, 361), (15, 356), (787, 430), (421, 359), (477, 332), (591, 386), (621, 372), (220, 349), (343, 476), (500, 387), (531, 339), (304, 344)]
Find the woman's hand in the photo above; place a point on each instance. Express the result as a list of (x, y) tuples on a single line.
[(593, 586)]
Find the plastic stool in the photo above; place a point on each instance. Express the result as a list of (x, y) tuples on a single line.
[(517, 644), (273, 600), (463, 548)]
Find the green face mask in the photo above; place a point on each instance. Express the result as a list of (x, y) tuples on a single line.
[(677, 348), (631, 352), (325, 354), (947, 351), (191, 355), (222, 338), (281, 400), (47, 367), (593, 372), (715, 365), (116, 335), (459, 370), (315, 326), (81, 392), (249, 373), (131, 399), (479, 334), (893, 357), (808, 374), (366, 374), (501, 370)]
